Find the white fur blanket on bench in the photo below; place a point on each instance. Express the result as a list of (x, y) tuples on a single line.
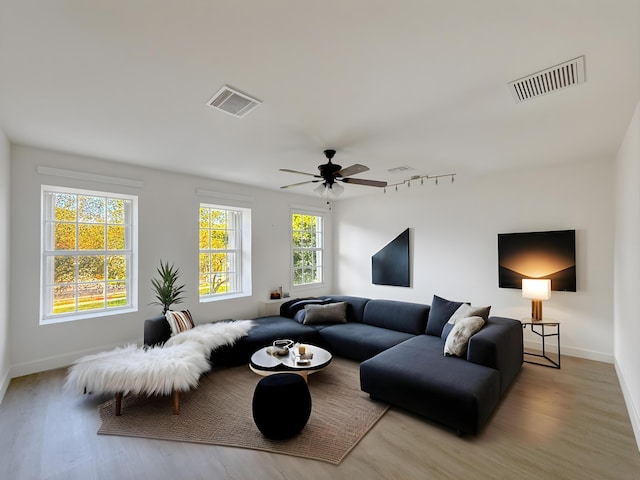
[(174, 367)]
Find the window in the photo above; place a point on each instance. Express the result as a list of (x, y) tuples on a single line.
[(89, 254), (307, 249), (224, 256)]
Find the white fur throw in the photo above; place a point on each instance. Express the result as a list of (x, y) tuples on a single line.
[(176, 366), (213, 335), (131, 369)]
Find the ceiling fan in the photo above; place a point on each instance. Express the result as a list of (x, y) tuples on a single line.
[(332, 173)]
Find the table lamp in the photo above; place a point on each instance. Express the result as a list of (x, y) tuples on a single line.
[(537, 289)]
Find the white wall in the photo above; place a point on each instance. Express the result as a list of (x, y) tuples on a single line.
[(168, 219), (627, 270), (454, 231), (4, 261)]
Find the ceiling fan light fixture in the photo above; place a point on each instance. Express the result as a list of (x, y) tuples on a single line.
[(330, 173)]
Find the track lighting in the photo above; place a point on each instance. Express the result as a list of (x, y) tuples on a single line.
[(422, 178)]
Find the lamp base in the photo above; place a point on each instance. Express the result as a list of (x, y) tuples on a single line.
[(536, 310)]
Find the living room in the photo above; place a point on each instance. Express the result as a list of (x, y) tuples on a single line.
[(453, 225)]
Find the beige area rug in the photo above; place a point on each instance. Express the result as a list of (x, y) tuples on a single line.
[(219, 413)]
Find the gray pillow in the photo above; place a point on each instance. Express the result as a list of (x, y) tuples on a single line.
[(462, 331), (329, 313), (465, 310)]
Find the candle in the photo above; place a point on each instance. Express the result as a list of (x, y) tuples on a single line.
[(302, 349)]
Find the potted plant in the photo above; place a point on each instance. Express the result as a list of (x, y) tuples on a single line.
[(166, 289)]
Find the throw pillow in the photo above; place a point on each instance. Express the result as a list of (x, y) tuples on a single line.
[(439, 314), (329, 313), (462, 331), (299, 304), (179, 321), (464, 311), (299, 316)]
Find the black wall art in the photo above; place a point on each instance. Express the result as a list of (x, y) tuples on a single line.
[(390, 266), (549, 255)]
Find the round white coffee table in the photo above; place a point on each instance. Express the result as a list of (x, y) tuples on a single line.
[(263, 363)]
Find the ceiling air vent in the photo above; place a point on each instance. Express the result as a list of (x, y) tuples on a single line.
[(561, 76), (233, 102), (400, 169)]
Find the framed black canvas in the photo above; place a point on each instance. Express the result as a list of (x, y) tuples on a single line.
[(390, 266)]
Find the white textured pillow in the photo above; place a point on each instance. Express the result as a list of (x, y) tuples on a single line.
[(465, 310), (179, 321), (462, 331)]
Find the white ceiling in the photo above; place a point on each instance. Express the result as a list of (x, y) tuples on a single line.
[(386, 83)]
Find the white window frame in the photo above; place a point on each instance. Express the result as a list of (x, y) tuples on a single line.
[(319, 249), (241, 250), (48, 254)]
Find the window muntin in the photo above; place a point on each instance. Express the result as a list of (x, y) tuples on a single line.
[(88, 254), (220, 251), (307, 249)]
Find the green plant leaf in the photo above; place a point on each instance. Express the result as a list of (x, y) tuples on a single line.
[(166, 291)]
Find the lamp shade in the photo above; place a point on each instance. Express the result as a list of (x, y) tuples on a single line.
[(536, 288), (320, 189), (337, 189)]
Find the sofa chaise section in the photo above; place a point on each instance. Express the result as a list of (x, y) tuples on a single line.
[(416, 376)]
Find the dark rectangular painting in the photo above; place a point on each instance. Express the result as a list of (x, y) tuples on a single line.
[(538, 255), (390, 266)]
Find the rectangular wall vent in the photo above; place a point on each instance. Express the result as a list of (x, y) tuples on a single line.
[(561, 76), (233, 102)]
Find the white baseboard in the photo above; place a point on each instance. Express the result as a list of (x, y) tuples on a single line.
[(56, 361), (572, 352), (634, 415), (4, 385)]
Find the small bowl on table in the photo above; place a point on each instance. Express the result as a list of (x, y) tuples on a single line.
[(281, 347)]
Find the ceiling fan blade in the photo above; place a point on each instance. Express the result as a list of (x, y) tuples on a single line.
[(301, 173), (362, 181), (300, 183), (352, 170)]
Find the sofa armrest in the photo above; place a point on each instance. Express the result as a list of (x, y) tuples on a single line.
[(499, 345), (156, 331)]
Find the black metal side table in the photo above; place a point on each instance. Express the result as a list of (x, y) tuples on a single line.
[(541, 329)]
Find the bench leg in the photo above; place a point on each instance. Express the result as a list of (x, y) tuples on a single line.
[(118, 403), (176, 402)]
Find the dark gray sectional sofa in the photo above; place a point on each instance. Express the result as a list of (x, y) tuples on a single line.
[(401, 352)]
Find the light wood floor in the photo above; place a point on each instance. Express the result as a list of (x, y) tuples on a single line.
[(553, 424)]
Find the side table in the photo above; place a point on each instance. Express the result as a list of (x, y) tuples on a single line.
[(544, 329)]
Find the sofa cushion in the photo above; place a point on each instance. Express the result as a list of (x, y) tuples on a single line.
[(291, 307), (394, 315), (329, 313), (456, 343), (439, 315), (156, 331), (359, 341), (264, 332), (355, 306), (179, 321), (465, 310)]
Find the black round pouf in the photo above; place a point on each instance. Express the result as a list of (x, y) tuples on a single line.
[(281, 405)]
